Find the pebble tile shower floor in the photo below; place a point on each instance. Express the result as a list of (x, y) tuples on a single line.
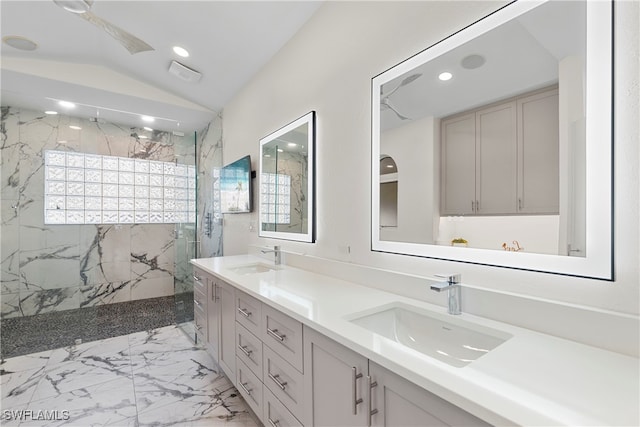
[(32, 334), (153, 378)]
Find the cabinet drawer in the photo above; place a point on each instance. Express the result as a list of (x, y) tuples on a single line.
[(249, 349), (275, 413), (199, 304), (200, 283), (249, 386), (284, 381), (249, 312), (200, 325), (283, 334)]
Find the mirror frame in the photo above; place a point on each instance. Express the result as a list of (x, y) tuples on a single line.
[(598, 262), (310, 235)]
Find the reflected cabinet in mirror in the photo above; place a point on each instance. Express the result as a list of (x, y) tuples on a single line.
[(287, 181), (494, 146)]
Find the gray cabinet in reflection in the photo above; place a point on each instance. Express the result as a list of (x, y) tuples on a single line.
[(502, 159)]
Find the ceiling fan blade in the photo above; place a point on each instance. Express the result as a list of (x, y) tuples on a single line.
[(129, 41), (387, 105), (404, 82)]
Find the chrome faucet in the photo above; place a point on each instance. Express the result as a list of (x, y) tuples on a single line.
[(454, 291), (277, 253)]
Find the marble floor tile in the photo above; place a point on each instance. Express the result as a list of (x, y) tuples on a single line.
[(152, 378), (18, 388), (24, 363)]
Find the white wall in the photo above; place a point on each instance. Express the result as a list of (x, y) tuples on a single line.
[(412, 148), (328, 67)]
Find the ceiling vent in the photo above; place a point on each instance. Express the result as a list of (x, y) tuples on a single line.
[(183, 72)]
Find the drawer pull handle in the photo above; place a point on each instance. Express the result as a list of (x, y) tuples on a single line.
[(273, 423), (354, 377), (244, 387), (275, 379), (246, 352), (196, 278), (274, 333), (197, 302), (244, 312)]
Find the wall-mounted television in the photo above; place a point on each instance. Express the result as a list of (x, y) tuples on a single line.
[(235, 186)]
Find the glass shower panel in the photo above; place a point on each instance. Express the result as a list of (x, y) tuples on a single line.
[(186, 243)]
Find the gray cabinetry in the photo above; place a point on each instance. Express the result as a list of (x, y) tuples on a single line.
[(343, 388), (398, 402), (502, 159), (335, 377)]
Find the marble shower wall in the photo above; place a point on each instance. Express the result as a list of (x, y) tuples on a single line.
[(209, 153), (60, 267)]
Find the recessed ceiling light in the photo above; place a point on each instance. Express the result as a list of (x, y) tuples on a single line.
[(142, 137), (51, 112), (292, 144), (66, 104), (445, 76), (74, 127), (267, 155), (148, 129), (19, 42), (390, 166), (147, 119), (180, 51), (280, 150)]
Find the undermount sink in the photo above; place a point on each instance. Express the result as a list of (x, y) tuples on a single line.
[(254, 268), (454, 342)]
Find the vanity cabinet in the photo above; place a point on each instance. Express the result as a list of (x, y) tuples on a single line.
[(343, 387), (214, 316), (200, 306), (398, 402), (227, 338), (335, 378), (502, 159), (269, 361)]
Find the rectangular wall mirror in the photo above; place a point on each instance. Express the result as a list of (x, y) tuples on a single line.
[(287, 181), (494, 146)]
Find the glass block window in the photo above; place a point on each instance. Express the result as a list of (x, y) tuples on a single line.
[(92, 189), (275, 198)]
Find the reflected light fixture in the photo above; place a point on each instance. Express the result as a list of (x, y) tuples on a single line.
[(148, 129), (180, 51), (51, 112), (74, 127), (292, 144), (445, 76), (147, 119), (66, 104)]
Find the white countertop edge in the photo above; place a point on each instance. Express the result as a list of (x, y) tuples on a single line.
[(472, 388)]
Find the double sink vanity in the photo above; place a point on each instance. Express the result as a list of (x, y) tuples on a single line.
[(308, 349)]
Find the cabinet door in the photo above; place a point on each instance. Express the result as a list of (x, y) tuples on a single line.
[(334, 383), (496, 160), (213, 318), (538, 154), (458, 165), (227, 351), (398, 402)]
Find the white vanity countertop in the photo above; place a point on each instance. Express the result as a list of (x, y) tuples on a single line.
[(531, 379)]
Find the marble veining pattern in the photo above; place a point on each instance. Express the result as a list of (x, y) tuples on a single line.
[(153, 378), (209, 152), (46, 268)]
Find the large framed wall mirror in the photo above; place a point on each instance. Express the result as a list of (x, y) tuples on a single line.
[(494, 146), (287, 181)]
